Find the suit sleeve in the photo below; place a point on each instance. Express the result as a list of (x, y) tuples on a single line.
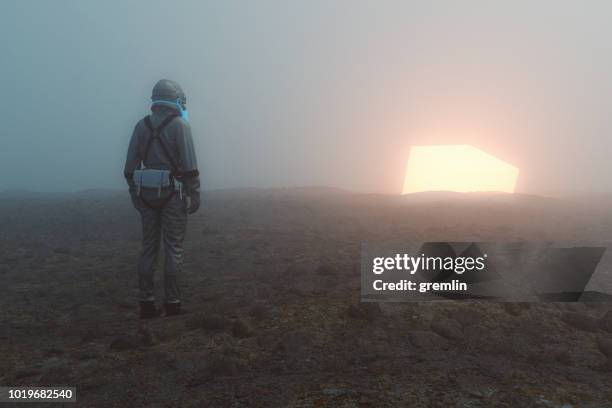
[(133, 159), (187, 157)]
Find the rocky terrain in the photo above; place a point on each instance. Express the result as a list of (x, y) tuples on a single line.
[(271, 284)]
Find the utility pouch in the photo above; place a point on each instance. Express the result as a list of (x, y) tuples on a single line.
[(152, 179)]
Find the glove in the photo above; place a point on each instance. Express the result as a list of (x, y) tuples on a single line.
[(136, 201), (192, 188), (193, 202)]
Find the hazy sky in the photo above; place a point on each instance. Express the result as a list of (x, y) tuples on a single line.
[(287, 93)]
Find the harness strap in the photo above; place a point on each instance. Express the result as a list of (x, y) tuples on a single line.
[(155, 135)]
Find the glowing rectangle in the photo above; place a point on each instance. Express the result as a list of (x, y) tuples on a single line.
[(460, 168)]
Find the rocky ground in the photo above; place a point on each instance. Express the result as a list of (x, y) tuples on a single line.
[(271, 282)]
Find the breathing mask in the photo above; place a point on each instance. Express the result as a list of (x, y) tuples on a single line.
[(179, 103)]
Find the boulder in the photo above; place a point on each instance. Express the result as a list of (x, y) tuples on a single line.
[(448, 328), (580, 321), (241, 330), (605, 323), (427, 340)]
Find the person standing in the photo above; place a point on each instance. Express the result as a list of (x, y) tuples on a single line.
[(164, 186)]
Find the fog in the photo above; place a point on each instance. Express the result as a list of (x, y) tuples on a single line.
[(292, 93)]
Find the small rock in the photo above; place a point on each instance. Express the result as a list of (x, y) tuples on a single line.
[(258, 312), (605, 346), (324, 269), (396, 391), (467, 402), (475, 394), (534, 356), (62, 250), (467, 316), (580, 321), (294, 343), (147, 338), (515, 308), (87, 355), (188, 362), (222, 366), (296, 292), (16, 255), (334, 392), (448, 328), (427, 340), (126, 304), (61, 375), (208, 322), (26, 372), (124, 342), (54, 351), (558, 354), (241, 330), (543, 402), (369, 311), (92, 333)]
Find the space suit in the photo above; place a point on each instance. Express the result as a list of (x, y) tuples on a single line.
[(162, 175)]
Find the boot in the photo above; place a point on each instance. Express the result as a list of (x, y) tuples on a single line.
[(148, 310), (173, 309)]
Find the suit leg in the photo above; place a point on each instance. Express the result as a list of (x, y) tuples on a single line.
[(174, 224), (151, 237)]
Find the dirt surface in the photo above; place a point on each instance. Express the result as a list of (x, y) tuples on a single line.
[(271, 284)]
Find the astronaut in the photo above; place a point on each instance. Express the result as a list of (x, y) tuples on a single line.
[(162, 174)]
